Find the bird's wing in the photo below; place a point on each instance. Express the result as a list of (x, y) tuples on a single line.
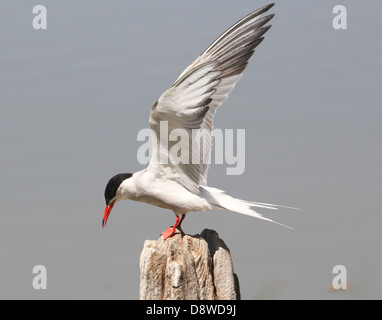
[(190, 103)]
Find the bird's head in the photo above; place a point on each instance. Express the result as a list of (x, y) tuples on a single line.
[(113, 194)]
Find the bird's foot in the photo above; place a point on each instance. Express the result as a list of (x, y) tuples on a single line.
[(171, 230), (168, 233)]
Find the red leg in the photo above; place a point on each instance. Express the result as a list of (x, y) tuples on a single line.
[(180, 222), (170, 231)]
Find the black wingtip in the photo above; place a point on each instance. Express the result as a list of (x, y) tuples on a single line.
[(261, 11), (267, 7)]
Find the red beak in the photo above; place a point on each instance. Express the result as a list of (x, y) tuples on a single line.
[(107, 213)]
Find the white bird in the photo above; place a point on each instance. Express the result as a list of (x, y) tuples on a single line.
[(190, 104)]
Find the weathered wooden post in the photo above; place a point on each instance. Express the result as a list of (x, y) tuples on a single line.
[(188, 267)]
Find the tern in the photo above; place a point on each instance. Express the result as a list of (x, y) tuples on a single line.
[(190, 104)]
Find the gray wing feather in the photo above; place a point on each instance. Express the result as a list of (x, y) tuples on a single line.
[(191, 102)]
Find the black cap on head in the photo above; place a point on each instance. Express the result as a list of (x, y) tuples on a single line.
[(113, 185)]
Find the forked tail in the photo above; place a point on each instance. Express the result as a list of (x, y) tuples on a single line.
[(220, 199)]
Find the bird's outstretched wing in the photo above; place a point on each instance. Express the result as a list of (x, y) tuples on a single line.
[(186, 110)]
